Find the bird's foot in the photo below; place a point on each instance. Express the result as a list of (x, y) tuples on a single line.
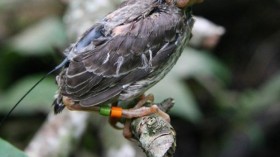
[(115, 113), (139, 110)]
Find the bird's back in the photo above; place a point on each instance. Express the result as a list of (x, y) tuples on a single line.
[(126, 53)]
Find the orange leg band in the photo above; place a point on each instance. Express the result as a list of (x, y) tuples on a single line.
[(116, 112)]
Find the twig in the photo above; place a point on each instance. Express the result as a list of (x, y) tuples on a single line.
[(155, 135)]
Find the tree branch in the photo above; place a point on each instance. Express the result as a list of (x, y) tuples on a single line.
[(155, 135), (58, 135)]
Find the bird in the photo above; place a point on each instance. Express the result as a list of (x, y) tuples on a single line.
[(123, 55)]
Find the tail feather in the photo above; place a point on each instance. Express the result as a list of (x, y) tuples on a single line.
[(58, 105)]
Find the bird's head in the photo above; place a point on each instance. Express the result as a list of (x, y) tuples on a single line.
[(184, 3)]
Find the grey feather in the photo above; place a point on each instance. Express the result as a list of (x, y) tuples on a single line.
[(126, 53)]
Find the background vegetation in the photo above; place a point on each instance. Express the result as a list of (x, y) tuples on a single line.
[(227, 98)]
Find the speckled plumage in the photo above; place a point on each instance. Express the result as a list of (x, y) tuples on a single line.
[(124, 54)]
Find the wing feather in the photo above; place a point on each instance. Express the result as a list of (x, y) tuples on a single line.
[(130, 53)]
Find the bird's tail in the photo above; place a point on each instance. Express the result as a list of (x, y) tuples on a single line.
[(58, 105)]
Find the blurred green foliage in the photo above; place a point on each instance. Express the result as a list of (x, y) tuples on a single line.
[(25, 50), (7, 150), (39, 38), (39, 100), (173, 84), (28, 54)]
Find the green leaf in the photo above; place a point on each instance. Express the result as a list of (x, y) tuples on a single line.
[(266, 95), (197, 63), (40, 99), (40, 38), (7, 150), (270, 91)]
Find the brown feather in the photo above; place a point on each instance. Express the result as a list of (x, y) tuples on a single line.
[(140, 41)]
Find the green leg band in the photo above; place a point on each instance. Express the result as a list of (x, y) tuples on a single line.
[(105, 111)]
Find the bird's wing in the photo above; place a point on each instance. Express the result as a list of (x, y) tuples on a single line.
[(132, 46), (99, 74)]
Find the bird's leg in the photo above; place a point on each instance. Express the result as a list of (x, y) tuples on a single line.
[(71, 105), (113, 120), (115, 113), (139, 111)]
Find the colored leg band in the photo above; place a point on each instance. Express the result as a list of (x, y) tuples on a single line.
[(116, 112), (105, 111)]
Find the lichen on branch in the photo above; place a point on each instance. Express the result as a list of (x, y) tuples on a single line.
[(154, 134)]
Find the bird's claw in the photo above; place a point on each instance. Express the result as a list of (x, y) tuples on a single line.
[(139, 110)]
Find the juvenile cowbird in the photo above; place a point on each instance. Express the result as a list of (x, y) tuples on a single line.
[(123, 55)]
